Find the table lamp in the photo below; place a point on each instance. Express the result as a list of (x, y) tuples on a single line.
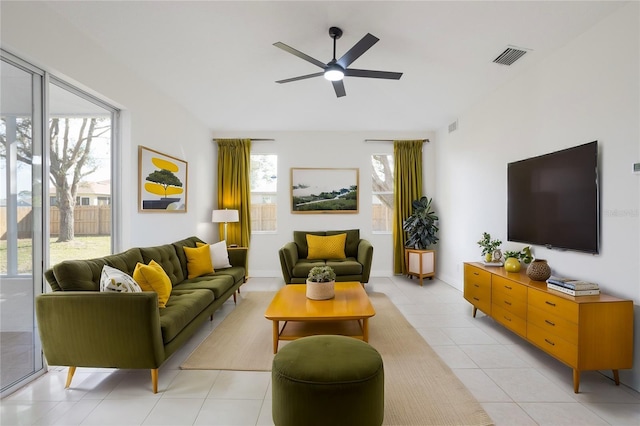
[(225, 216)]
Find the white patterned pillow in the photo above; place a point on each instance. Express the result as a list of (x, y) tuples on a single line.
[(113, 279)]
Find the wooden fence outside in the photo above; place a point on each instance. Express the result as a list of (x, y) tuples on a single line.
[(88, 220)]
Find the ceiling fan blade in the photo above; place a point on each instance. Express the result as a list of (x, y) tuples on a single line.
[(372, 74), (302, 77), (338, 86), (300, 55), (357, 50)]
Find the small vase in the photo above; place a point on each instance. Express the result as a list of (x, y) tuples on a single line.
[(539, 270), (511, 264), (321, 291)]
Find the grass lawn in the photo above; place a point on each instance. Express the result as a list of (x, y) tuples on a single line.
[(79, 248)]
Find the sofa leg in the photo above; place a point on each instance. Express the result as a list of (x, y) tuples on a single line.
[(154, 379), (70, 374), (234, 297)]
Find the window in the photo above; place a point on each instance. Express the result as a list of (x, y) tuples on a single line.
[(264, 186), (382, 191)]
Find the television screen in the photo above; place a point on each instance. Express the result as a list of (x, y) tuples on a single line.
[(552, 199)]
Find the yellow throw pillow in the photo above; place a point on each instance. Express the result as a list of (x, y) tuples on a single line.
[(331, 247), (198, 261), (152, 277)]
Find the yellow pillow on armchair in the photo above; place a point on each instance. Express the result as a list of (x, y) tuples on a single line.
[(330, 247)]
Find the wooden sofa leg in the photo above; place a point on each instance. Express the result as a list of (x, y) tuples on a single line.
[(154, 379), (70, 374)]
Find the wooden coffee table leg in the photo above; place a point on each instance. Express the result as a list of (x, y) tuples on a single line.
[(365, 329), (276, 335)]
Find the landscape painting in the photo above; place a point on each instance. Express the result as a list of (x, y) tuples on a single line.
[(324, 190), (162, 182)]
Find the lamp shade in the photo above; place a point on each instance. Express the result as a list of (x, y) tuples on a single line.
[(225, 216)]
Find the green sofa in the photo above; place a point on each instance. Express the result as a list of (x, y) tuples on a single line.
[(80, 326), (355, 267)]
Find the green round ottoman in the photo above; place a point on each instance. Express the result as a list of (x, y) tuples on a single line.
[(327, 380)]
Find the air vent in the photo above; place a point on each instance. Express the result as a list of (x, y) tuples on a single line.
[(510, 55), (453, 126)]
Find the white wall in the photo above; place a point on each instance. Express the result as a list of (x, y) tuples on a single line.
[(328, 149), (589, 90), (35, 33)]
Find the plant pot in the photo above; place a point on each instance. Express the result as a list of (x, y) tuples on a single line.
[(539, 270), (320, 291), (511, 264)]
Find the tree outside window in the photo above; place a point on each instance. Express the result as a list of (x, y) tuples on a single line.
[(382, 191)]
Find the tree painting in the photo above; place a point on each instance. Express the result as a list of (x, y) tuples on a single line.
[(163, 177)]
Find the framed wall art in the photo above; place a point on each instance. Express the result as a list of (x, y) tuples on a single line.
[(162, 182), (324, 190)]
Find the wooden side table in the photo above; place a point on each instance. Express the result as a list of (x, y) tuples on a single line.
[(420, 263)]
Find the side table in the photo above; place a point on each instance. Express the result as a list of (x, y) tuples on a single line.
[(420, 263)]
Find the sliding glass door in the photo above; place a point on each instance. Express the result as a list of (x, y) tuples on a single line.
[(21, 220)]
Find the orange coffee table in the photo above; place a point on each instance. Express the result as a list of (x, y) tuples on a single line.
[(346, 314)]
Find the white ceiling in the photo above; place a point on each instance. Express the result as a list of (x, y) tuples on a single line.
[(217, 59)]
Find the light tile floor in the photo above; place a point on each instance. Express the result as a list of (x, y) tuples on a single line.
[(516, 383)]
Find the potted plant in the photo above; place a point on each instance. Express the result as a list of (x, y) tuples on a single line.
[(490, 248), (513, 259), (421, 225), (321, 283)]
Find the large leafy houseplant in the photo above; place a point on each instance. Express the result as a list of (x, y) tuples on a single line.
[(421, 225)]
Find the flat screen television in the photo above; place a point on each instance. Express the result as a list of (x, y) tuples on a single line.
[(552, 199)]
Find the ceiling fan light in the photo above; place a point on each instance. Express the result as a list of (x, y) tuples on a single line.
[(334, 73)]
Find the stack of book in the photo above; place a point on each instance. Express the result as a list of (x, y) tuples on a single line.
[(573, 287)]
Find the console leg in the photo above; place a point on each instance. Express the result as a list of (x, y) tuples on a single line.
[(474, 311), (616, 377), (576, 380)]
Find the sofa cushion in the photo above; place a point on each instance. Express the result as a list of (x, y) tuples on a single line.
[(303, 266), (198, 261), (326, 247), (179, 248), (84, 275), (113, 279), (182, 307), (348, 266), (353, 240), (217, 284), (300, 238), (166, 256), (219, 254), (236, 272), (152, 277)]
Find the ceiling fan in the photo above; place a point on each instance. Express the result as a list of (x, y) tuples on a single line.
[(336, 69)]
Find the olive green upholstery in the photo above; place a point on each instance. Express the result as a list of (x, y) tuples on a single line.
[(80, 326), (355, 267), (327, 380)]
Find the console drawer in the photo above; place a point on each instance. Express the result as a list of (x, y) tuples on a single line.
[(554, 345), (513, 289), (509, 320), (509, 303), (554, 304), (553, 324)]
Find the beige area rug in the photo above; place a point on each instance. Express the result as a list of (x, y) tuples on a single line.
[(420, 389)]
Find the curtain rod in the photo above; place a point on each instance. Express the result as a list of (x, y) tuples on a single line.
[(392, 140)]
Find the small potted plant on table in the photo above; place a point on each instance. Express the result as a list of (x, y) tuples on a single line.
[(491, 249), (321, 283)]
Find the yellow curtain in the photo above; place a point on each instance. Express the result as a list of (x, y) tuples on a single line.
[(234, 192), (407, 182)]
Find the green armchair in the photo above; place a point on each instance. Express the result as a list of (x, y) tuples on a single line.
[(355, 267)]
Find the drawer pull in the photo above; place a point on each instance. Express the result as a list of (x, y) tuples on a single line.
[(475, 273), (507, 303), (508, 288), (476, 285), (475, 298), (549, 342), (549, 303), (507, 318), (550, 323)]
